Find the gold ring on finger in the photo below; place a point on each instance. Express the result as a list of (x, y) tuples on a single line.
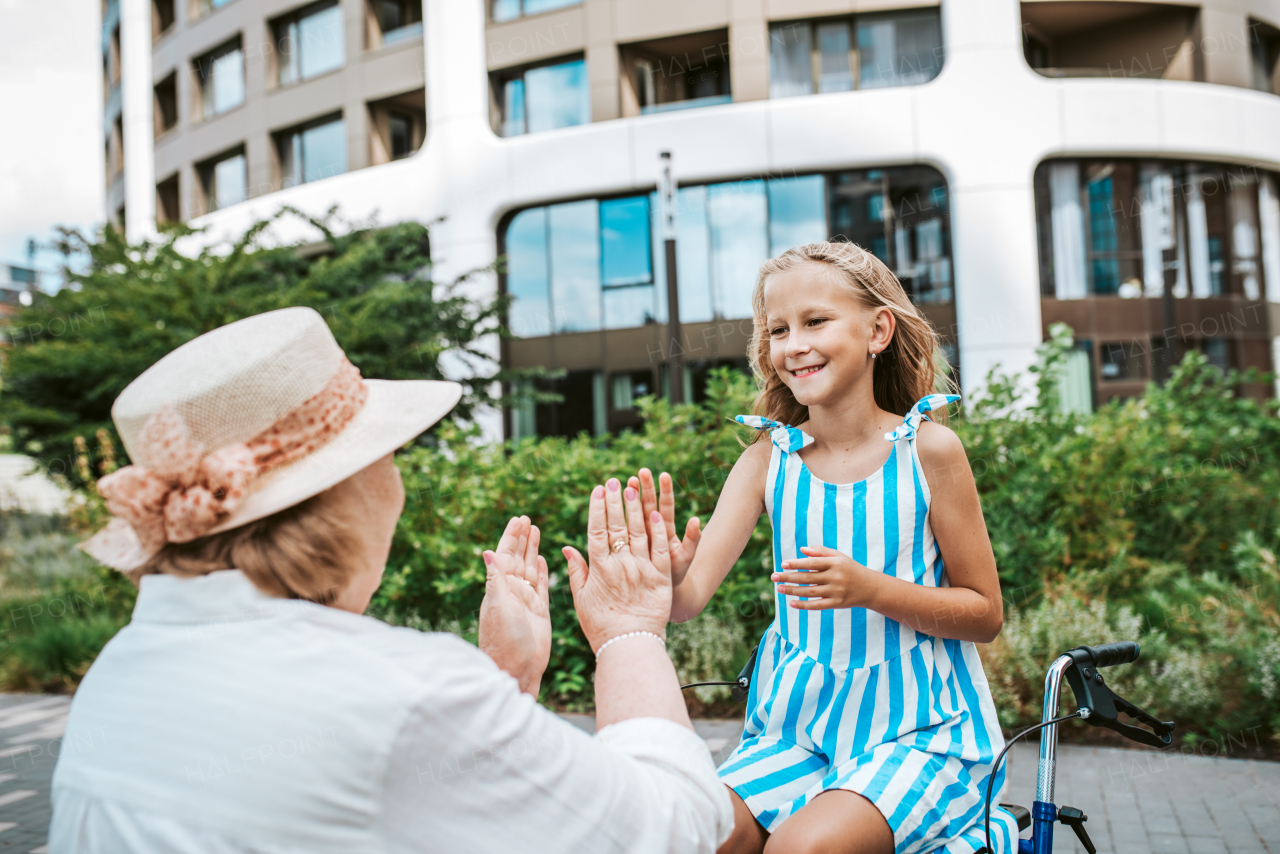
[(619, 544)]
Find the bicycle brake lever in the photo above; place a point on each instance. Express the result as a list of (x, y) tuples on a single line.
[(1075, 819), (1105, 706)]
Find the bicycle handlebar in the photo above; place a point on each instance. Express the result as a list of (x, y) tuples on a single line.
[(1111, 654)]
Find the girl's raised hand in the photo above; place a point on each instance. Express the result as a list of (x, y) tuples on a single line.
[(663, 500)]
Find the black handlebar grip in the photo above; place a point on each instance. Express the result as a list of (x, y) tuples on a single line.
[(1111, 654)]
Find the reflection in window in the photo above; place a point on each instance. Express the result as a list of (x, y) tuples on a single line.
[(629, 386), (221, 78), (574, 255), (899, 48), (399, 20), (545, 98), (1143, 228), (901, 215), (739, 219), (601, 264), (797, 212), (681, 72), (310, 42), (509, 10), (1102, 236), (224, 181), (1218, 352), (1123, 362), (312, 152), (576, 266), (528, 280)]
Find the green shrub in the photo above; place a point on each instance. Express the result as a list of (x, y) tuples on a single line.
[(57, 607)]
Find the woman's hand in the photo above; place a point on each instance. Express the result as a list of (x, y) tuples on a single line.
[(624, 590), (834, 580), (663, 500), (515, 620)]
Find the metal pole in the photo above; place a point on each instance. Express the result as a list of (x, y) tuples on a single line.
[(667, 199)]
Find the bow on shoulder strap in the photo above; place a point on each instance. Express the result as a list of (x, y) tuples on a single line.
[(785, 437), (911, 423)]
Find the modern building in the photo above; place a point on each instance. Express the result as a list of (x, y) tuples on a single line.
[(1109, 164), (247, 98), (17, 284)]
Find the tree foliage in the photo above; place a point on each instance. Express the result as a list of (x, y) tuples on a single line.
[(70, 354)]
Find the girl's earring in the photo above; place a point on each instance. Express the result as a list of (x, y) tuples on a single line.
[(873, 355)]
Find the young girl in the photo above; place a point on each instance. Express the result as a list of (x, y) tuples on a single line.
[(869, 724)]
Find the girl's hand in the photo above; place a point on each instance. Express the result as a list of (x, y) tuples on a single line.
[(663, 500), (515, 619), (835, 580)]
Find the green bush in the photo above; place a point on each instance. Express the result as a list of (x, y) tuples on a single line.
[(1152, 519), (57, 607), (458, 498)]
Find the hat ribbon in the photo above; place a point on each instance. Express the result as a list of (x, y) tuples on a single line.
[(183, 492)]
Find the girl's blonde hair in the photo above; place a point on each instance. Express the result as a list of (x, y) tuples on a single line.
[(904, 372)]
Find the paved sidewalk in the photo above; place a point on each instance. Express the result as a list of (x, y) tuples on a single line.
[(1138, 801), (30, 734)]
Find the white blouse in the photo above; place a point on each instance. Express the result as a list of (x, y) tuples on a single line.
[(224, 720)]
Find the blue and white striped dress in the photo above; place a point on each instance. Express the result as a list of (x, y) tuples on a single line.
[(850, 699)]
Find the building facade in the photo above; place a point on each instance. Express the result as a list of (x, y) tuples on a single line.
[(1108, 164)]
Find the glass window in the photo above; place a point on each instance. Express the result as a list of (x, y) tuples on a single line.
[(545, 98), (901, 215), (588, 265), (313, 152), (624, 239), (225, 182), (221, 78), (1218, 352), (1102, 237), (401, 131), (797, 212), (509, 10), (790, 62), (629, 386), (892, 49), (738, 215), (899, 48), (528, 279), (1264, 49), (513, 122), (399, 20), (1123, 362), (835, 72), (574, 249), (311, 42), (628, 307), (693, 256), (557, 97)]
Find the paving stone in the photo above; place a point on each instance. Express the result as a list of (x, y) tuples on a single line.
[(1138, 801)]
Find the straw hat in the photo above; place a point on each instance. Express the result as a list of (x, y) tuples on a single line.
[(244, 421)]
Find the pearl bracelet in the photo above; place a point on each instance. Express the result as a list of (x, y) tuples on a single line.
[(627, 635)]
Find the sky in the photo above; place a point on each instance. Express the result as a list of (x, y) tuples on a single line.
[(51, 160)]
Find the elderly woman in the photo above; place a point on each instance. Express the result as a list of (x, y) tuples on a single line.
[(249, 706)]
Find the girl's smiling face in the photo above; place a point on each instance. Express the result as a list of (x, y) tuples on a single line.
[(821, 336)]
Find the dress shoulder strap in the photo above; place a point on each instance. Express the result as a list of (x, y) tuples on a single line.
[(911, 423), (787, 438)]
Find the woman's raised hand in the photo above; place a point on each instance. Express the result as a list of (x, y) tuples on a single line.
[(626, 584), (663, 500), (515, 620)]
